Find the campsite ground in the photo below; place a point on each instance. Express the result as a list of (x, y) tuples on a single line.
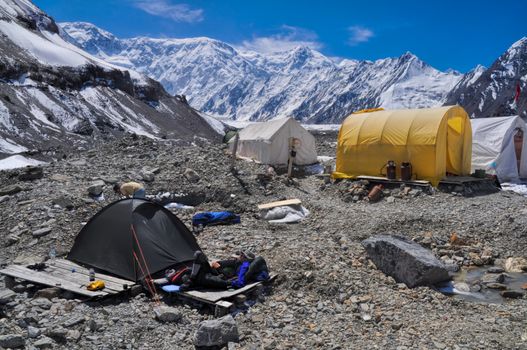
[(328, 295)]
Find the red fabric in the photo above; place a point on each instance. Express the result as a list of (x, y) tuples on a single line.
[(517, 96)]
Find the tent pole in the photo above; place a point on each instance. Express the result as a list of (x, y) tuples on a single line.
[(290, 157)]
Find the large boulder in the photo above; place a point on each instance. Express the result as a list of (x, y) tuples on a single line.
[(216, 332), (405, 261)]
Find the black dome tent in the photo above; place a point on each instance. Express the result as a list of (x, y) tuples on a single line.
[(126, 234)]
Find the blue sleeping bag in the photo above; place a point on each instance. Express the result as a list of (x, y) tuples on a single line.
[(215, 218)]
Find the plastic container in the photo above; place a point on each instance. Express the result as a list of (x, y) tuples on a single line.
[(406, 171), (92, 275), (390, 170)]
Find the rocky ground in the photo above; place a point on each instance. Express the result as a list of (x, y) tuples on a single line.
[(328, 294)]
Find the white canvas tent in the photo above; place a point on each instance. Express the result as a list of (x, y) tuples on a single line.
[(493, 147), (268, 142)]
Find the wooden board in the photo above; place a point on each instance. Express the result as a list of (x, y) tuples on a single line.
[(213, 296), (279, 204), (49, 280), (386, 180), (67, 275)]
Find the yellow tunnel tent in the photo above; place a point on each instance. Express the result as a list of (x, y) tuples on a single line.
[(435, 141)]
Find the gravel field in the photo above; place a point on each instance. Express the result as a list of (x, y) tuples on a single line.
[(328, 295)]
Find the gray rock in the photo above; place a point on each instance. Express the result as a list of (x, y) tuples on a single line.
[(167, 314), (191, 175), (95, 189), (33, 332), (493, 285), (31, 173), (216, 332), (58, 334), (44, 343), (63, 202), (405, 261), (493, 278), (41, 232), (9, 190), (42, 303), (390, 199), (74, 321), (12, 239), (512, 294), (48, 293), (6, 295), (4, 199), (495, 269), (12, 341), (147, 176), (93, 325)]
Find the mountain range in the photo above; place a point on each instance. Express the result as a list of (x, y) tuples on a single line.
[(226, 81), (54, 95)]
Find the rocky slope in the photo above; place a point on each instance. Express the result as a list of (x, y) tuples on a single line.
[(491, 93), (222, 80), (55, 96), (327, 295)]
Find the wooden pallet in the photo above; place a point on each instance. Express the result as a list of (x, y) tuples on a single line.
[(220, 298), (69, 276), (380, 179)]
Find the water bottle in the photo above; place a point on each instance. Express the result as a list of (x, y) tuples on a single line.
[(92, 275)]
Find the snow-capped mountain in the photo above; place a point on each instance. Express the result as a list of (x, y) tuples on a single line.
[(226, 81), (491, 92), (54, 94)]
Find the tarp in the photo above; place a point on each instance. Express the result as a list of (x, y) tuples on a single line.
[(268, 142), (109, 243), (493, 147), (436, 141), (215, 218)]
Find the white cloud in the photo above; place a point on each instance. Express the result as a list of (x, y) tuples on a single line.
[(289, 38), (175, 12), (359, 35)]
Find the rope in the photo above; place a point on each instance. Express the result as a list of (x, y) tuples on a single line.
[(151, 288), (148, 275)]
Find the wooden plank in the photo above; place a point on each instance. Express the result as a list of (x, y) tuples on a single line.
[(211, 296), (384, 179), (49, 280), (279, 204), (67, 275), (81, 269)]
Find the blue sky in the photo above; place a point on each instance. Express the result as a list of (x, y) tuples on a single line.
[(446, 34)]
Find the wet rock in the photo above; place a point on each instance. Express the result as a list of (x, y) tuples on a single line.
[(493, 285), (512, 294), (191, 175), (495, 269), (515, 265), (167, 314), (9, 190), (493, 278), (31, 173), (41, 232), (405, 261), (216, 332), (12, 341)]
